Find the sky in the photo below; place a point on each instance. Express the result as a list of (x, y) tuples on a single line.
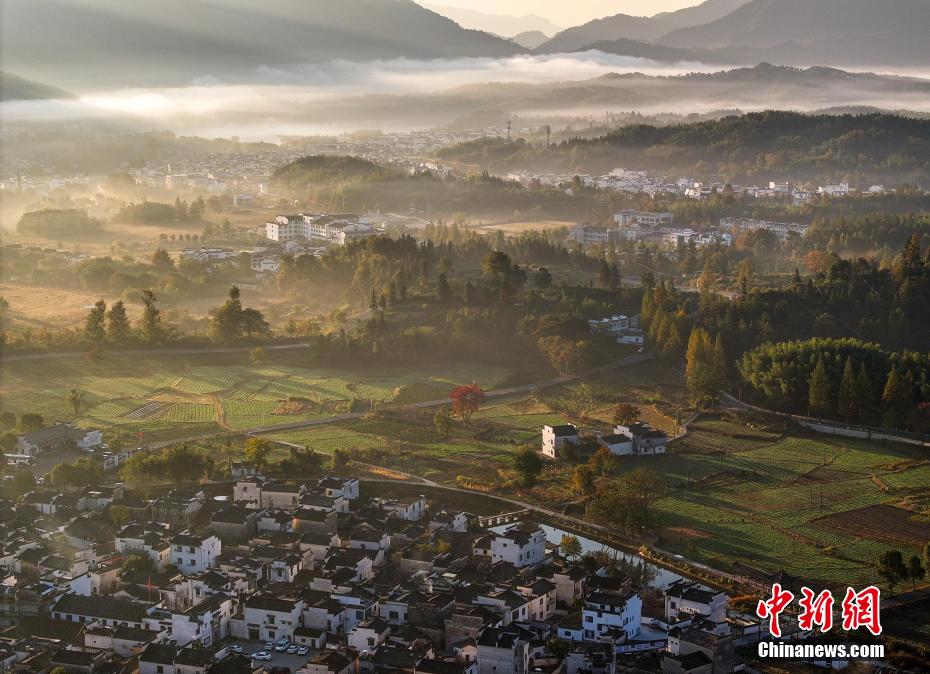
[(570, 13)]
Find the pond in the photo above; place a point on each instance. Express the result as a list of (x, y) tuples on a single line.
[(661, 577)]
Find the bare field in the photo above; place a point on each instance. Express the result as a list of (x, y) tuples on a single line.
[(37, 307), (517, 228), (880, 523)]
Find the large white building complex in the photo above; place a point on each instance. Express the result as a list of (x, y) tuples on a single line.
[(335, 228)]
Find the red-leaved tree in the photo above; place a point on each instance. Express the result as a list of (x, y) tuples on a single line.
[(466, 400)]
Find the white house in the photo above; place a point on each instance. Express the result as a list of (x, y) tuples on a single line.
[(685, 598), (626, 329), (607, 613), (619, 444), (519, 547), (556, 438), (269, 618), (58, 436), (195, 554), (367, 635), (646, 440)]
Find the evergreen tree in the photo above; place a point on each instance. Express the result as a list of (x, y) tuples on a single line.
[(818, 392), (846, 397), (896, 399), (118, 328), (864, 398), (443, 290), (150, 326), (721, 379), (94, 325), (699, 365)]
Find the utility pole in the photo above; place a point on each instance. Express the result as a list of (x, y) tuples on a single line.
[(548, 132), (508, 131)]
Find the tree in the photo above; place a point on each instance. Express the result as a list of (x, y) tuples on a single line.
[(542, 279), (528, 465), (466, 400), (118, 328), (226, 322), (442, 420), (253, 322), (559, 648), (7, 420), (8, 442), (257, 451), (443, 290), (846, 397), (95, 324), (915, 570), (890, 566), (570, 546), (119, 515), (643, 487), (626, 414), (30, 421), (699, 365), (582, 479), (896, 399), (863, 396), (602, 462), (138, 562), (818, 391), (75, 398), (162, 261), (257, 356), (150, 325)]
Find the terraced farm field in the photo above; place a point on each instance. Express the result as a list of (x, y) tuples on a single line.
[(161, 396), (775, 497)]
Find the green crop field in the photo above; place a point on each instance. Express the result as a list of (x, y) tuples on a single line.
[(161, 395), (761, 503)]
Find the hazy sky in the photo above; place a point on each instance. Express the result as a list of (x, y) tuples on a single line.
[(572, 12)]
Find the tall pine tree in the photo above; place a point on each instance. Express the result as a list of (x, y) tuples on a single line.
[(846, 397), (818, 392)]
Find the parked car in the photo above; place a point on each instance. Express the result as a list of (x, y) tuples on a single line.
[(303, 650), (269, 645), (292, 649), (280, 648), (261, 655), (236, 648)]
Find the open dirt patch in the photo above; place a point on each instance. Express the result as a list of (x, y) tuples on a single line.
[(880, 523)]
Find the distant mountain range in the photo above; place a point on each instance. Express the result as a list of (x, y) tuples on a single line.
[(103, 43), (498, 24), (531, 39), (862, 33), (624, 26), (16, 88), (98, 44)]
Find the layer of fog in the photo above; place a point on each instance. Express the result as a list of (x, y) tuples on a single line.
[(403, 94)]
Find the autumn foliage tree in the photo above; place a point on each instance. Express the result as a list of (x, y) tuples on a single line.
[(466, 400)]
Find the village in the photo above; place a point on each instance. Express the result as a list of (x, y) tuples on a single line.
[(314, 576)]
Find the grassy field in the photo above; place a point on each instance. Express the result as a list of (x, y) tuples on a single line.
[(162, 396), (778, 498)]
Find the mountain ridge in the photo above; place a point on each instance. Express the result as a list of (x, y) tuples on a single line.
[(107, 43)]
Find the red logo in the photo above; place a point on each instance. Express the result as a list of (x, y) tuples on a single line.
[(860, 609)]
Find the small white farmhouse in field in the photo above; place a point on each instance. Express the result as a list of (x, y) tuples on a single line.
[(555, 438)]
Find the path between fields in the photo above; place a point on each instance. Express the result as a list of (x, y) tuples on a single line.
[(632, 359)]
